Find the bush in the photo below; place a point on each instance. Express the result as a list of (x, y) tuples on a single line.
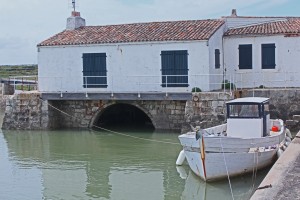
[(227, 84), (261, 86), (196, 89)]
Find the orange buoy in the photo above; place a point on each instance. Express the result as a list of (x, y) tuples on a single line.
[(275, 129)]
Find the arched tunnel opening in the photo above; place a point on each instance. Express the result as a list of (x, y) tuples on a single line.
[(124, 117)]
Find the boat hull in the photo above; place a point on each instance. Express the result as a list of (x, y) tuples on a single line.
[(214, 166), (217, 157)]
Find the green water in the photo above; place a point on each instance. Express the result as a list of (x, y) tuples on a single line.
[(98, 165)]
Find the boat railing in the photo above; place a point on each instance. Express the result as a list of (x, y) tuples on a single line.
[(217, 130), (232, 144)]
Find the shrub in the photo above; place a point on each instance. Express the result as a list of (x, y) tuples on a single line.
[(227, 84), (196, 89)]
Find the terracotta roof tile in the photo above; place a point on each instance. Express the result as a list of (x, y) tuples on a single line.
[(290, 26), (139, 32)]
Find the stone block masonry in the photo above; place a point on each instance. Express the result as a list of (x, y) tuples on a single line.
[(206, 110), (26, 112), (165, 115)]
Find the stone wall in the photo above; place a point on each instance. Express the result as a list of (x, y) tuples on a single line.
[(284, 103), (206, 110), (73, 114), (26, 112), (165, 115), (6, 89)]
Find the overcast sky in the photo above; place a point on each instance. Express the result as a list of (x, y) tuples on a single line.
[(26, 23)]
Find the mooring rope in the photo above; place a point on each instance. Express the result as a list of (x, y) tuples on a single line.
[(226, 169), (108, 130), (254, 170)]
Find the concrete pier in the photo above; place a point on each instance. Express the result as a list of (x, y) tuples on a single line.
[(282, 182)]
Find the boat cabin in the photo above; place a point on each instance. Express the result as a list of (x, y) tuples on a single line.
[(248, 117)]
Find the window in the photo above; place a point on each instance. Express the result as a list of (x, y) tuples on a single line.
[(266, 108), (217, 59), (174, 68), (245, 56), (244, 111), (268, 56), (94, 70)]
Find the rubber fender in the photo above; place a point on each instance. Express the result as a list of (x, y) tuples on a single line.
[(279, 152), (181, 158), (288, 133)]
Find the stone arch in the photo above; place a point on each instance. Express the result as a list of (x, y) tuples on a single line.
[(109, 105)]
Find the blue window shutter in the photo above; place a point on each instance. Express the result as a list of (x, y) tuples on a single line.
[(174, 63), (181, 68), (94, 64), (245, 56), (217, 59), (268, 56)]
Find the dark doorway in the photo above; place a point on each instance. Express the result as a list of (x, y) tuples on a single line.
[(124, 117)]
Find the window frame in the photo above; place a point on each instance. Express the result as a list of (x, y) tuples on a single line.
[(237, 108)]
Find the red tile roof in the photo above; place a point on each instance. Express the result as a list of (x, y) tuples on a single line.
[(290, 26), (139, 32)]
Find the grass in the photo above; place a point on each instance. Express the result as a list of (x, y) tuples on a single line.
[(26, 87), (11, 71), (7, 71)]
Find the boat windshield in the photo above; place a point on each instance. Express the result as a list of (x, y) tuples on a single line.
[(244, 111)]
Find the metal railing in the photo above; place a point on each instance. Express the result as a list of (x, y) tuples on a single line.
[(161, 83), (23, 83), (88, 81), (267, 79), (137, 83)]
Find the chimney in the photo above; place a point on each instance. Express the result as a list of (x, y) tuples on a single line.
[(75, 21), (233, 13)]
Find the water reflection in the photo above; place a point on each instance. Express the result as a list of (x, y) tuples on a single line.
[(89, 165), (198, 189)]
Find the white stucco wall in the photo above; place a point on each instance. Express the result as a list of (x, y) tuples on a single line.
[(130, 67), (287, 59), (216, 75)]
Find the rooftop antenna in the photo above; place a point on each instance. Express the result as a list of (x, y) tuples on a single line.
[(74, 4)]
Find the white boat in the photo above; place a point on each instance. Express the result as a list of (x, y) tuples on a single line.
[(247, 142)]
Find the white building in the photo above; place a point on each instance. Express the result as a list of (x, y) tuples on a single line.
[(264, 53), (175, 56)]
